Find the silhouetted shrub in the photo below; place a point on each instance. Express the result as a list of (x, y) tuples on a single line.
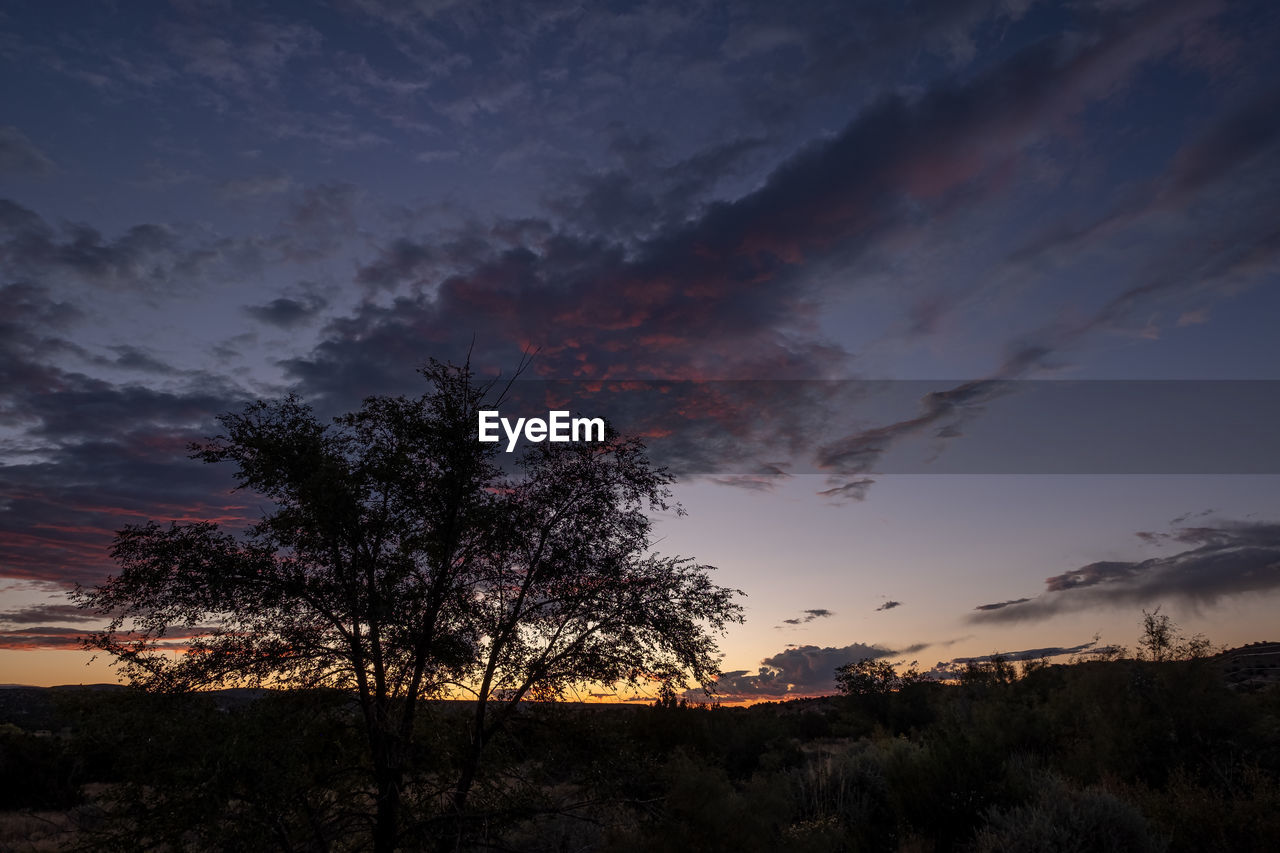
[(1065, 820), (1239, 812)]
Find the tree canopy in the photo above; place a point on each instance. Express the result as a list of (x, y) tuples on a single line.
[(399, 562)]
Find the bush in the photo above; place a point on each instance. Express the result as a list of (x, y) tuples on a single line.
[(1238, 812), (1065, 820), (842, 791)]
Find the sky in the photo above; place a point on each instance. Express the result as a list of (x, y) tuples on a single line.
[(954, 320)]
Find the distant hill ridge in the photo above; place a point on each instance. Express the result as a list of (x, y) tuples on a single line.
[(1249, 667)]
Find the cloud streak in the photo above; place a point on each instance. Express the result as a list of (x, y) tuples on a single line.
[(1228, 559), (808, 616)]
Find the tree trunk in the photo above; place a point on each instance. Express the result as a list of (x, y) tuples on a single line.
[(465, 779), (388, 773), (386, 822), (455, 828)]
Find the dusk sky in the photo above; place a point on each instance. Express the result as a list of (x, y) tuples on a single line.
[(956, 320)]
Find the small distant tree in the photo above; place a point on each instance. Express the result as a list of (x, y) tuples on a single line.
[(996, 669), (1161, 640), (1194, 648), (1032, 665), (398, 562), (1158, 633)]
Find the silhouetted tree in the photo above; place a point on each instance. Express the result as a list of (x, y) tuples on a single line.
[(874, 677), (1162, 641), (1158, 634), (995, 670), (398, 562)]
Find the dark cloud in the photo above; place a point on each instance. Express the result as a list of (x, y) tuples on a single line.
[(288, 312), (136, 358), (857, 454), (954, 668), (1094, 573), (851, 491), (1231, 558), (46, 637), (1256, 534), (57, 519), (403, 261), (809, 615), (41, 638), (26, 305), (796, 671), (45, 614), (1029, 654), (889, 605), (153, 258), (763, 479), (146, 258), (1182, 519), (1000, 604), (79, 249), (1243, 134), (91, 455)]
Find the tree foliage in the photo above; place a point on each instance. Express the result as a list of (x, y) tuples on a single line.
[(1162, 641), (398, 562), (874, 677)]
